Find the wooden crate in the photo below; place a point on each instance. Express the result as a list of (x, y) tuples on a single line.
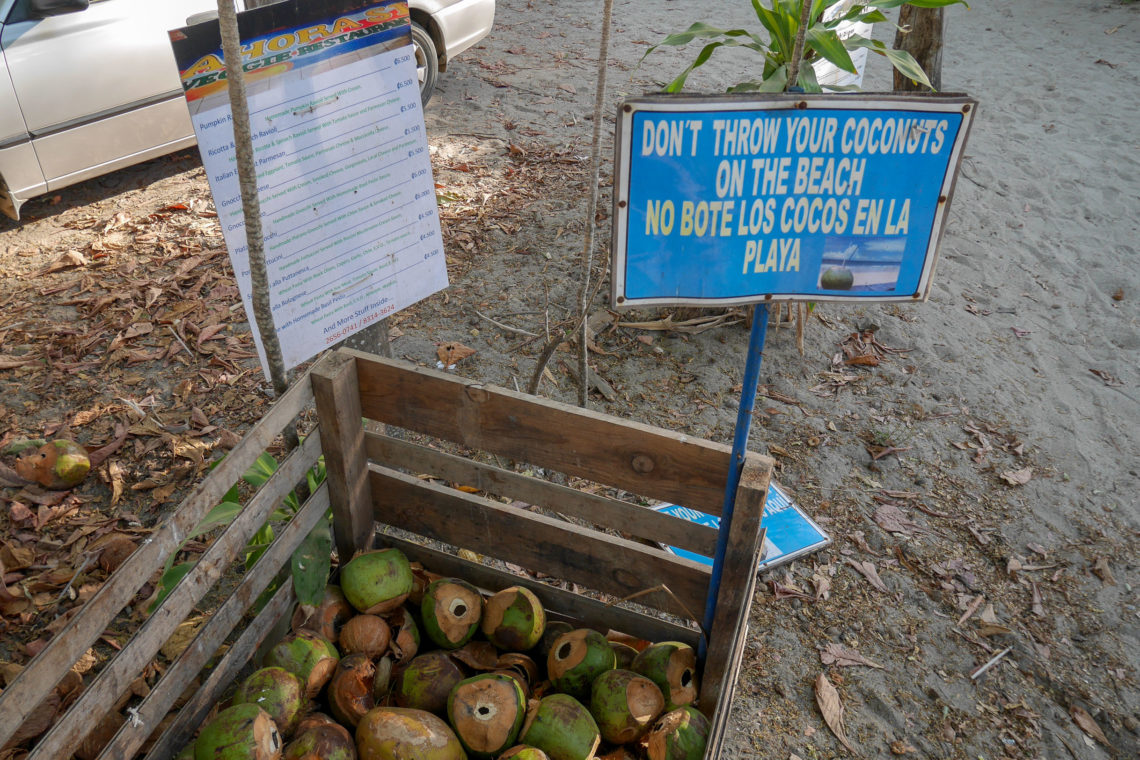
[(374, 478)]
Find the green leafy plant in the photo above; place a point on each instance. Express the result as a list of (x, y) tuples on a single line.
[(781, 21), (311, 561)]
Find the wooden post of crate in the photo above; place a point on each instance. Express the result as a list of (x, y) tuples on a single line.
[(730, 624), (337, 396)]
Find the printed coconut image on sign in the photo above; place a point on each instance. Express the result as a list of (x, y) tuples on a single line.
[(728, 200)]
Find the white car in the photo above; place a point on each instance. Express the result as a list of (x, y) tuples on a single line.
[(90, 86)]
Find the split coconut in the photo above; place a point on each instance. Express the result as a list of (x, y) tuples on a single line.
[(487, 712), (350, 690), (451, 611), (514, 619), (624, 705), (671, 665), (681, 735), (576, 659), (308, 656), (241, 732)]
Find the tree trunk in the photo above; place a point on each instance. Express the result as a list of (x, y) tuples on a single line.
[(923, 41)]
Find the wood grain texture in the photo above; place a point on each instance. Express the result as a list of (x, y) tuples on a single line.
[(68, 732), (536, 542), (587, 612), (216, 629), (342, 434), (730, 620), (637, 521), (23, 695), (645, 460)]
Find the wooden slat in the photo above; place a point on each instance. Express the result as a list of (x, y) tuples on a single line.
[(632, 519), (215, 631), (738, 583), (192, 714), (67, 734), (22, 697), (588, 612), (606, 563), (645, 460), (342, 431)]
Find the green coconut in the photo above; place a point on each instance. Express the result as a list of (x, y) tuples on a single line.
[(681, 734), (278, 692), (837, 278), (554, 629), (378, 581), (451, 611), (308, 656), (241, 732), (524, 752), (187, 752), (576, 659), (624, 653), (514, 619), (562, 728), (624, 705), (319, 737), (671, 665), (426, 681), (58, 465), (350, 690), (395, 733), (487, 713)]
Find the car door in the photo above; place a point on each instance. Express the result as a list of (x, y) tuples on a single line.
[(98, 88)]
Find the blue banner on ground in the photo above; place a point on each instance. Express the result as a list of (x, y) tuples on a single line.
[(788, 531), (723, 200)]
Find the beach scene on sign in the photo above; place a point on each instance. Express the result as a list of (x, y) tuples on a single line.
[(866, 264)]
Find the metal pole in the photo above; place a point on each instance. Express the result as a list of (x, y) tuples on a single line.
[(736, 464)]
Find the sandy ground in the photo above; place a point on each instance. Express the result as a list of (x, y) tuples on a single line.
[(1024, 358)]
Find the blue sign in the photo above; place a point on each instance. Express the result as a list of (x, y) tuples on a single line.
[(789, 532), (723, 200)]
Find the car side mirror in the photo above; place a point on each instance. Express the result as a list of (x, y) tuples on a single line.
[(45, 8)]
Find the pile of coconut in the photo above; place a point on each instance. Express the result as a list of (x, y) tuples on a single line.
[(365, 656)]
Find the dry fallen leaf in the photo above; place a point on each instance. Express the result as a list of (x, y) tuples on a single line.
[(841, 656), (1108, 378), (1018, 477), (452, 353), (822, 587), (1086, 723), (893, 520), (1103, 571), (832, 708), (868, 571)]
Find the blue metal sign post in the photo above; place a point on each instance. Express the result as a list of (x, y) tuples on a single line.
[(735, 200), (739, 448)]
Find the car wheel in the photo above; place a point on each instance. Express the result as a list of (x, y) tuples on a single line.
[(427, 61)]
